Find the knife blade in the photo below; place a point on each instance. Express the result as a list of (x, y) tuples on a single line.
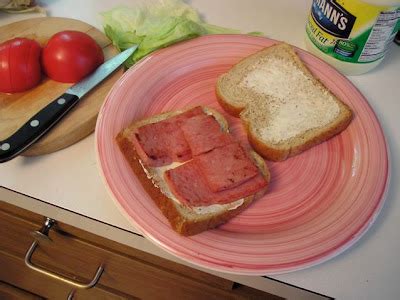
[(46, 118)]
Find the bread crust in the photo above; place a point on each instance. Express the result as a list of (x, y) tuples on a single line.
[(168, 207), (228, 107), (280, 152)]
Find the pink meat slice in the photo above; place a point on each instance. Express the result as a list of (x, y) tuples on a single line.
[(190, 187), (226, 167), (203, 133), (163, 142)]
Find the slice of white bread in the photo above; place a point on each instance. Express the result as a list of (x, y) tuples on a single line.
[(283, 107), (184, 220)]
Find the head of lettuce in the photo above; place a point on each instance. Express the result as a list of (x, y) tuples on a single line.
[(155, 24)]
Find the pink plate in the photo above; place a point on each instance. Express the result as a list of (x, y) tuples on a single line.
[(319, 203)]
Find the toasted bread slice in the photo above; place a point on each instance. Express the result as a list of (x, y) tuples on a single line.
[(283, 107), (184, 220)]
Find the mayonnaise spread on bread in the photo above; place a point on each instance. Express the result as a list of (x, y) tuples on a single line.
[(295, 102), (156, 175)]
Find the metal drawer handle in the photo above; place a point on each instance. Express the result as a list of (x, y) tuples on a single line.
[(43, 234)]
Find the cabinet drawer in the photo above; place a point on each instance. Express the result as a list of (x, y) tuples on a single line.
[(78, 254), (14, 272)]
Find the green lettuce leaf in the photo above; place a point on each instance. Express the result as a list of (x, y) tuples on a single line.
[(155, 24)]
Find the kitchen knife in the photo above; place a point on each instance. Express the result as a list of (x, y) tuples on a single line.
[(49, 116)]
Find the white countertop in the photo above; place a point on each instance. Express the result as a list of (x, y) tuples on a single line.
[(70, 179)]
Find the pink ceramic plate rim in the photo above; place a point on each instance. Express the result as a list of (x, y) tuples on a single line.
[(215, 265)]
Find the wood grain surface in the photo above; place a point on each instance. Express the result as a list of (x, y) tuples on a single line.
[(16, 109), (76, 254)]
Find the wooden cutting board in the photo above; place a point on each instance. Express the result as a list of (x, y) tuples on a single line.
[(16, 109)]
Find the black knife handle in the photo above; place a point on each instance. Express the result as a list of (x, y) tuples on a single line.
[(36, 127)]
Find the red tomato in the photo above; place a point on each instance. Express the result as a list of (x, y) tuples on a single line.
[(19, 65), (70, 56)]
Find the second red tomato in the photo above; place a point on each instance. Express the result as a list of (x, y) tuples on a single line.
[(69, 56)]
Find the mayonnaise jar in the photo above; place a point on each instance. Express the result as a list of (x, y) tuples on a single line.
[(352, 35)]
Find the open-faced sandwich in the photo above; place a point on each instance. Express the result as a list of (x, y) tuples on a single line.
[(192, 167)]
